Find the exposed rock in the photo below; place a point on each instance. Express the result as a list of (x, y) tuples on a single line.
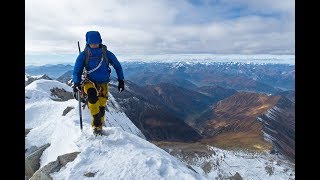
[(66, 77), (61, 94), (64, 159), (236, 177), (279, 127), (55, 166), (43, 173), (32, 161), (90, 174), (206, 167), (30, 150), (151, 116), (26, 131), (68, 109), (269, 170), (188, 166)]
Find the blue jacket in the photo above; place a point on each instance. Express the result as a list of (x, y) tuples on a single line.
[(102, 74)]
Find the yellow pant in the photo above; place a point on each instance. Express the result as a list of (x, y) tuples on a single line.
[(99, 98)]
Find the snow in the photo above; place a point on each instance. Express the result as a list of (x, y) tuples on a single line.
[(225, 163), (40, 90), (121, 155), (124, 153), (211, 58)]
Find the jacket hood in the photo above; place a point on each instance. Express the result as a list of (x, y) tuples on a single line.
[(93, 37)]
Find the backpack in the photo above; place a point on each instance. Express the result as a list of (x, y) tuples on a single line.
[(104, 54)]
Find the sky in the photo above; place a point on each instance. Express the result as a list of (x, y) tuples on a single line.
[(147, 27), (123, 153)]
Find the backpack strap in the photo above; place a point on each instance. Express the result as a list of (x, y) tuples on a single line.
[(104, 54), (87, 52)]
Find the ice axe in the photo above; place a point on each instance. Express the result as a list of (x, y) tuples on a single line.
[(79, 97)]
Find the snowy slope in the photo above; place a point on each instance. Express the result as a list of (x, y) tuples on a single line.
[(121, 154), (40, 108), (124, 153), (249, 165), (44, 116)]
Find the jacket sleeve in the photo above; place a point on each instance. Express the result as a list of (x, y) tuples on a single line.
[(78, 68), (116, 64)]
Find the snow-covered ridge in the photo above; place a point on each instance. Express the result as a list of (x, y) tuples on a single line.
[(121, 154), (40, 90), (38, 97), (211, 58), (27, 76)]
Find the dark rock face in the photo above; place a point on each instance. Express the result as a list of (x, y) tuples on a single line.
[(55, 166), (166, 111), (66, 77), (68, 109), (181, 101), (255, 117), (32, 160), (157, 124), (279, 124), (216, 92), (236, 113), (155, 120), (290, 94), (236, 177)]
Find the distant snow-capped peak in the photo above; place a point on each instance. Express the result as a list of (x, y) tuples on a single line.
[(211, 58)]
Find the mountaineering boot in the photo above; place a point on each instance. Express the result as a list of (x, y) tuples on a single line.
[(102, 113), (97, 125), (97, 131)]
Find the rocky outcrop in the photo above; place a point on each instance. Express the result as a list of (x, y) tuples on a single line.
[(61, 94), (236, 177), (26, 132), (45, 171), (68, 109), (32, 160)]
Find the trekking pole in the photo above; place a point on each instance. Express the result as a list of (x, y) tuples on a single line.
[(80, 112), (79, 98)]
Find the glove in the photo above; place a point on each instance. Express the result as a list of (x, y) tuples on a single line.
[(75, 90), (121, 85), (76, 87)]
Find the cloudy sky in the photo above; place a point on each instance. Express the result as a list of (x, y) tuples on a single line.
[(137, 27)]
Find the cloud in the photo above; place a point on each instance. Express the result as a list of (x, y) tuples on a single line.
[(160, 27)]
